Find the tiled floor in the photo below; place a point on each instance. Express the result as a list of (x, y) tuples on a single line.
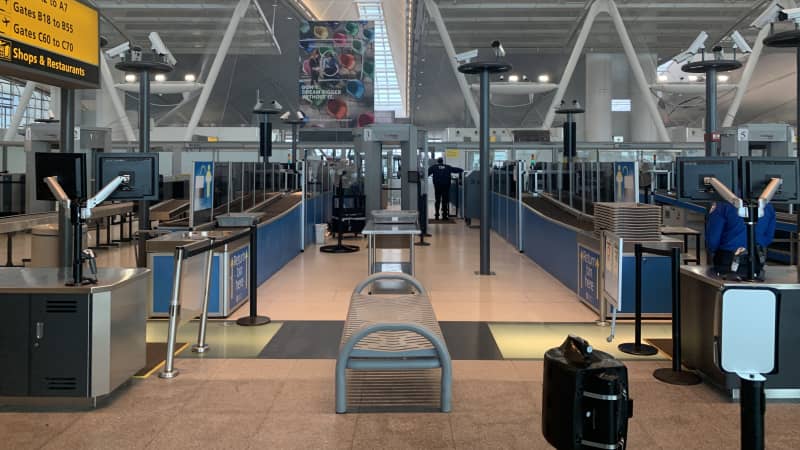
[(285, 404), (317, 286)]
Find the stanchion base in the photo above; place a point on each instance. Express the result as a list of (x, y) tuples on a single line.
[(422, 244), (200, 348), (169, 375), (602, 323), (490, 274), (642, 350), (339, 248), (253, 321), (680, 378)]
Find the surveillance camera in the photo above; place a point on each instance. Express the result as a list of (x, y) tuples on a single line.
[(740, 43), (159, 47), (274, 104), (683, 57), (466, 57), (769, 15), (118, 50), (286, 115), (499, 51), (699, 43), (792, 14)]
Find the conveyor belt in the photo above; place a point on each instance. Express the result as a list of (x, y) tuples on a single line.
[(15, 224), (168, 209)]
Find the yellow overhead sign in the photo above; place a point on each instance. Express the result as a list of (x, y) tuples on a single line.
[(451, 153), (53, 41)]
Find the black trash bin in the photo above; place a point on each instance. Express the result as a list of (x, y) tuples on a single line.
[(586, 402)]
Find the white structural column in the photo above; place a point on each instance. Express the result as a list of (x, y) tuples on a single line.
[(636, 68), (598, 97), (747, 75), (433, 10), (642, 127), (219, 59), (610, 8), (110, 92), (24, 99), (569, 70)]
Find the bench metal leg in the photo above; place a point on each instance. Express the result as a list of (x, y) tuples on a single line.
[(341, 385), (344, 356)]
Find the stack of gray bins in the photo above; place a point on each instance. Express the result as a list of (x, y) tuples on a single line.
[(630, 221), (391, 216)]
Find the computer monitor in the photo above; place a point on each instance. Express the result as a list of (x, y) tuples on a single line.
[(691, 173), (757, 172), (68, 168), (139, 169)]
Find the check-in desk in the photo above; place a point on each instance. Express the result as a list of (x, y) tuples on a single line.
[(71, 341), (700, 301)]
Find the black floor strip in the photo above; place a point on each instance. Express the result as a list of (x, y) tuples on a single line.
[(470, 340), (315, 339), (320, 340)]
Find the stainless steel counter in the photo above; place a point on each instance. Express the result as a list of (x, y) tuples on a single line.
[(168, 242), (386, 229), (70, 343), (780, 277), (21, 280), (701, 294)]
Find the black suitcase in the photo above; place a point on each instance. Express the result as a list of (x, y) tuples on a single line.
[(585, 403)]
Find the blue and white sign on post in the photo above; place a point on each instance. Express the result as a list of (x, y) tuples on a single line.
[(588, 275), (626, 181), (240, 286), (202, 197), (611, 248)]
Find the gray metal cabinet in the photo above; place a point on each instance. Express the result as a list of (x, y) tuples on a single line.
[(44, 345), (14, 329), (59, 355)]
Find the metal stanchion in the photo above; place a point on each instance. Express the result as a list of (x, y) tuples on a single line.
[(675, 375), (636, 347), (174, 311), (253, 319), (201, 346)]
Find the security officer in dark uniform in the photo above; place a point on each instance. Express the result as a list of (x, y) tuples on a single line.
[(441, 185), (726, 237)]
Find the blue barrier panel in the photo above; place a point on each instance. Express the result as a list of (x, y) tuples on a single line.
[(656, 284), (551, 246), (278, 244), (163, 272)]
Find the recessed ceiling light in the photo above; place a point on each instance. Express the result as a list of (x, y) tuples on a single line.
[(662, 78), (513, 78), (160, 77), (190, 77), (130, 78), (544, 78), (723, 78), (692, 77)]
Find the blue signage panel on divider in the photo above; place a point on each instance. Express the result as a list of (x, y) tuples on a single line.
[(588, 275), (203, 185), (240, 286)]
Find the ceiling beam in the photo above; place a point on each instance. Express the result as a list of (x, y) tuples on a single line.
[(447, 6)]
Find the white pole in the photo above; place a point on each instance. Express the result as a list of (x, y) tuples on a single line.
[(571, 63), (24, 99), (638, 73), (747, 74), (108, 86), (433, 10), (222, 52)]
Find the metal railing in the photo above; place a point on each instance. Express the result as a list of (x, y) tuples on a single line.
[(183, 254)]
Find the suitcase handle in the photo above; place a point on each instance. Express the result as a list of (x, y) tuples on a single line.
[(581, 344)]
